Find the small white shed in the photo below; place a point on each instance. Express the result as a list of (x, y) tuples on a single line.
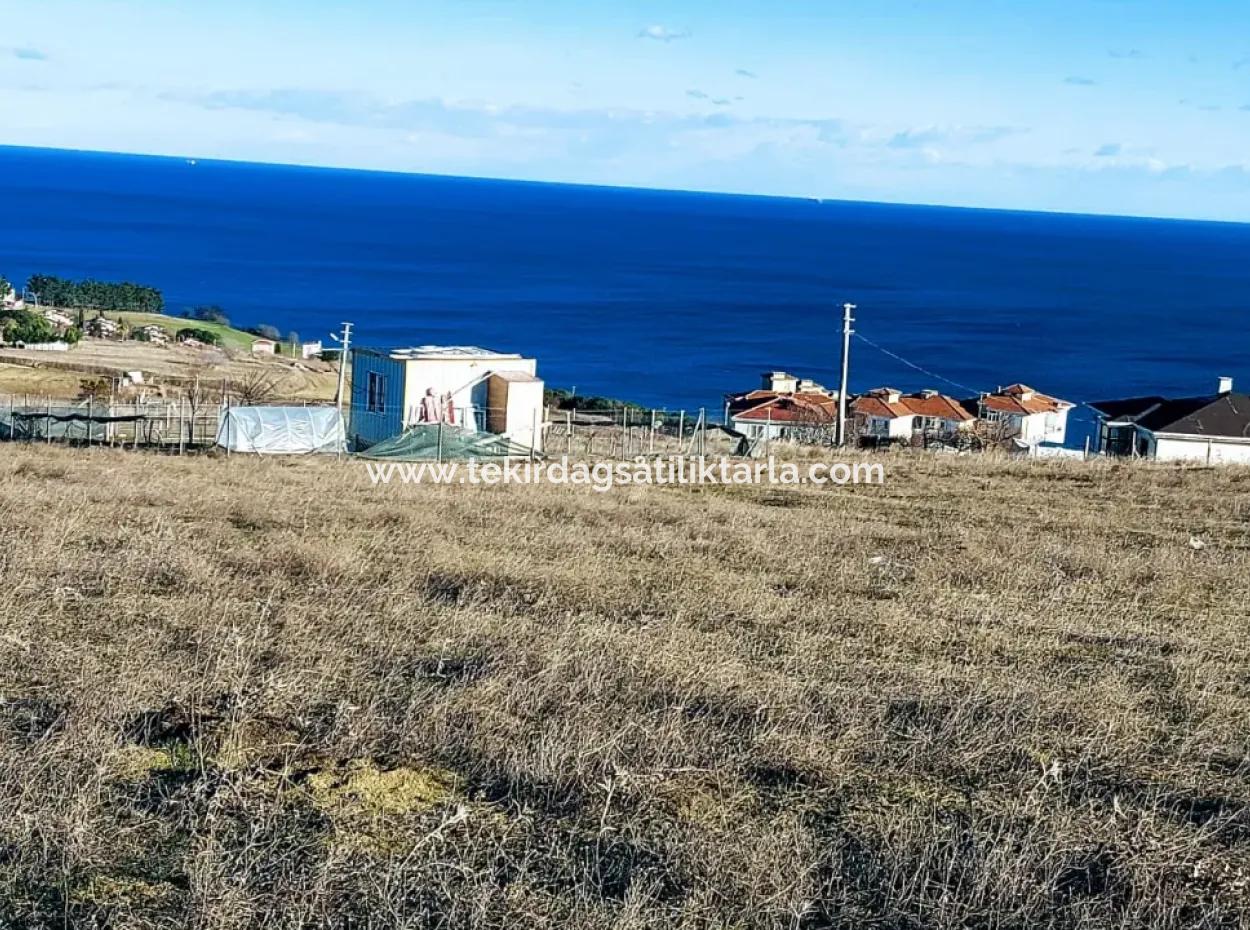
[(473, 388)]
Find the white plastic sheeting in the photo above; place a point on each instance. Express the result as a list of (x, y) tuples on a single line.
[(281, 430)]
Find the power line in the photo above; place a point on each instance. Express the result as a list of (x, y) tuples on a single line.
[(911, 364)]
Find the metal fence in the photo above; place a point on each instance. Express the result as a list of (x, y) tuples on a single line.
[(172, 425)]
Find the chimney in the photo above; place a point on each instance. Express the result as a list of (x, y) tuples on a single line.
[(780, 382), (1226, 384)]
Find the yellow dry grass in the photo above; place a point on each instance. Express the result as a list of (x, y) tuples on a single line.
[(986, 694), (62, 374)]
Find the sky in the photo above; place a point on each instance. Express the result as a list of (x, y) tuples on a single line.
[(1137, 107)]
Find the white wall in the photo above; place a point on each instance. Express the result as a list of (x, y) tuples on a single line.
[(759, 429), (1041, 427), (1196, 450), (525, 413), (465, 378)]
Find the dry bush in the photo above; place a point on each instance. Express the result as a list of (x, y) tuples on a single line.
[(241, 693)]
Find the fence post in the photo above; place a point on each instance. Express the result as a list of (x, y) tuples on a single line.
[(568, 432), (438, 454), (681, 430), (651, 438), (702, 431), (90, 417), (48, 421), (624, 432)]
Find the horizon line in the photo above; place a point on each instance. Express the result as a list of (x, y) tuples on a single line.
[(307, 166)]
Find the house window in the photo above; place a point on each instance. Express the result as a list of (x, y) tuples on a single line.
[(375, 400)]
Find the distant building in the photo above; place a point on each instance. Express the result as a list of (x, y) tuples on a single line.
[(1019, 412), (888, 414), (1212, 428), (264, 346), (463, 386), (12, 300), (783, 408), (309, 349), (102, 328)]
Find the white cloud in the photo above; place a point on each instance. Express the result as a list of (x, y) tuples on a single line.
[(660, 33)]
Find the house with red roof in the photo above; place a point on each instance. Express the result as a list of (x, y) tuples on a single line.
[(886, 414), (783, 408), (1021, 413)]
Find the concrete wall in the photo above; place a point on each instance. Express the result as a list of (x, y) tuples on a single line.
[(1200, 450), (893, 428)]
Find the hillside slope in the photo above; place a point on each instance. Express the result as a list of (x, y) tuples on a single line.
[(988, 694)]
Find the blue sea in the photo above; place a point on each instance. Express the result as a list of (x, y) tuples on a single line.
[(668, 299)]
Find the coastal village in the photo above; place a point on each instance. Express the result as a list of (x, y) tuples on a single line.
[(465, 401)]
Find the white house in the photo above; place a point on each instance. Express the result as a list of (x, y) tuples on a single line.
[(1025, 415), (463, 386), (264, 346), (889, 414), (1213, 428), (785, 407), (309, 349), (12, 300)]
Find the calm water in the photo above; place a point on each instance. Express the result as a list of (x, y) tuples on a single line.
[(669, 299)]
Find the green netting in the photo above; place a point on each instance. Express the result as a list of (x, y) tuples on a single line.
[(446, 443)]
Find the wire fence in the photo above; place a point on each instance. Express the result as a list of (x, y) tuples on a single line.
[(623, 432)]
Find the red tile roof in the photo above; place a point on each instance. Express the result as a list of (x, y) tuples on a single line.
[(876, 404), (784, 408), (1021, 400)]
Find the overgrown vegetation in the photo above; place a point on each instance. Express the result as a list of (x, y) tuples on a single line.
[(564, 399), (97, 295), (206, 336), (25, 326), (988, 694), (208, 313)]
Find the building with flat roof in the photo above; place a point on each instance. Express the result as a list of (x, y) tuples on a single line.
[(475, 389)]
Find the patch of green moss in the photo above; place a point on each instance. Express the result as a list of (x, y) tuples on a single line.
[(134, 762), (123, 891), (364, 790)]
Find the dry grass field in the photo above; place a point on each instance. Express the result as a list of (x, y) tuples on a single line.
[(241, 693), (63, 374)]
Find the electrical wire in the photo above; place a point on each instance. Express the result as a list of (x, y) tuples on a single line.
[(911, 364)]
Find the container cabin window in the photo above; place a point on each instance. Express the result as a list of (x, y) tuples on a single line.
[(375, 401)]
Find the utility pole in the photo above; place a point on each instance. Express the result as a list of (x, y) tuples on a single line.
[(345, 340), (847, 320)]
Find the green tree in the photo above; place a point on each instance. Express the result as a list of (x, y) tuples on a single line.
[(4, 286), (208, 313), (98, 295), (24, 326), (193, 332)]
